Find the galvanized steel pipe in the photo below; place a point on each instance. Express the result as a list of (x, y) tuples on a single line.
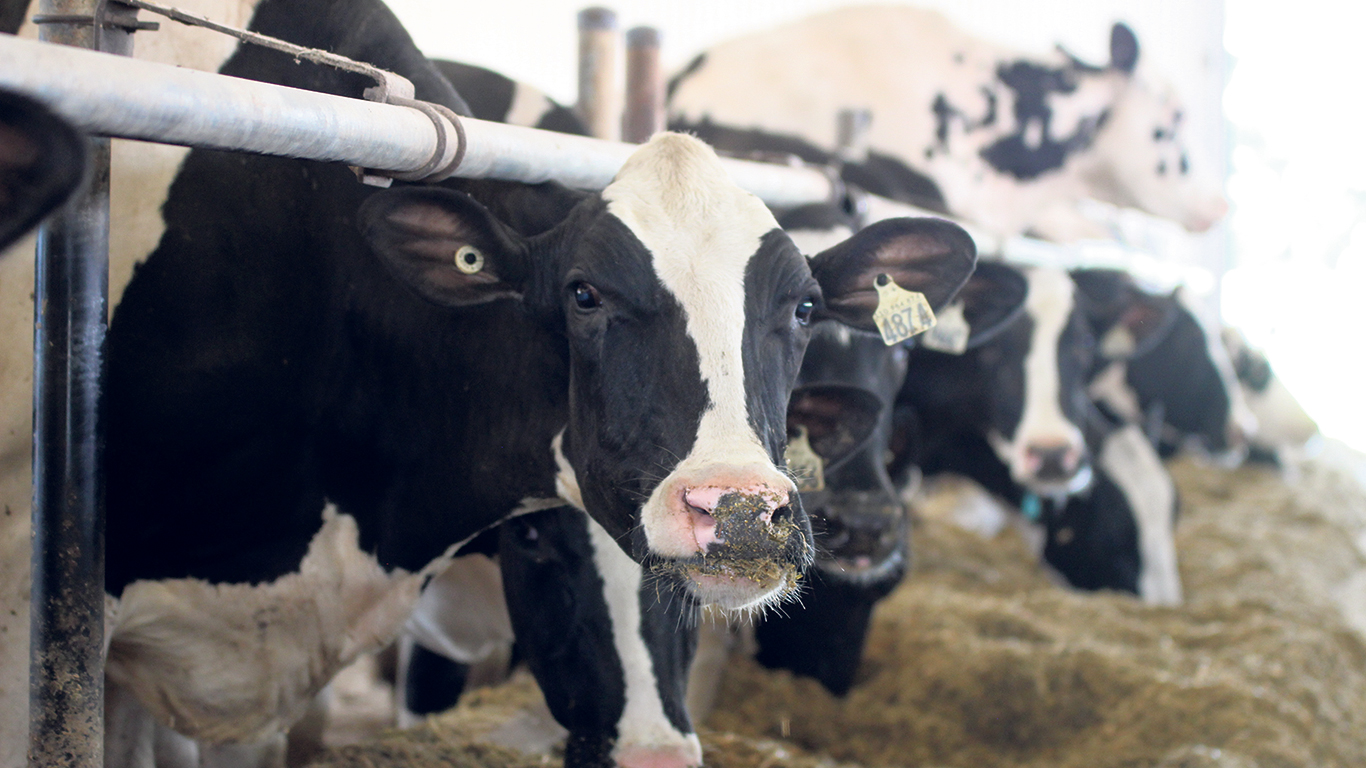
[(127, 98)]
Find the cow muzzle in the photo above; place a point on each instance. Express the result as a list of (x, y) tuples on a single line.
[(1052, 468), (859, 535), (734, 541)]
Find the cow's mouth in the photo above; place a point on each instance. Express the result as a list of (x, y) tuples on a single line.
[(735, 584)]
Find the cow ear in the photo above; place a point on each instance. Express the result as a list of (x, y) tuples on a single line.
[(838, 418), (930, 256), (992, 299), (445, 245), (1128, 321), (1123, 48), (42, 161)]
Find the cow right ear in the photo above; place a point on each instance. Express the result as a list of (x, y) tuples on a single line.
[(445, 245), (838, 418), (1127, 320)]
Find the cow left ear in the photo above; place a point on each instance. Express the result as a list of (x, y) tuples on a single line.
[(1123, 48), (444, 245), (1128, 321), (930, 256)]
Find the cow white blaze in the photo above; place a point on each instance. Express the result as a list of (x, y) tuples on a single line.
[(661, 194), (1043, 427)]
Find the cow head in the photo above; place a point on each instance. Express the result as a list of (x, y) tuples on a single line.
[(1034, 372), (42, 161), (685, 311), (1158, 366), (1140, 158)]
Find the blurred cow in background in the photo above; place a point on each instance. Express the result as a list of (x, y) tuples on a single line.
[(1012, 142)]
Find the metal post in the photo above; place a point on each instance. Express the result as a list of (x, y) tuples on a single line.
[(71, 282), (851, 134), (599, 101), (644, 86)]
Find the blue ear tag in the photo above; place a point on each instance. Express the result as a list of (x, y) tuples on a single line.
[(1031, 506)]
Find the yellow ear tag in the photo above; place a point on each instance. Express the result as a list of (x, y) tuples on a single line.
[(900, 313), (950, 334), (806, 466)]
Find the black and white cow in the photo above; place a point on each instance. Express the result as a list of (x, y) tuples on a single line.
[(1014, 415), (1011, 142), (407, 367), (860, 521), (42, 161), (1157, 366)]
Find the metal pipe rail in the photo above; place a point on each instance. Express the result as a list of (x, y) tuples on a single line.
[(127, 98)]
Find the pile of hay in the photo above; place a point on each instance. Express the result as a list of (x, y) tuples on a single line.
[(980, 660)]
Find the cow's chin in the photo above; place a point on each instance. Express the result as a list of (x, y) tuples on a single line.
[(1062, 487), (740, 586)]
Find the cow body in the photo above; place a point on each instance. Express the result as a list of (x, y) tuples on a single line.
[(1011, 142)]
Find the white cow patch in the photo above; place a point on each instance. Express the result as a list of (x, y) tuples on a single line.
[(1112, 389), (672, 193), (1134, 466), (528, 106), (241, 662), (1049, 304), (643, 729)]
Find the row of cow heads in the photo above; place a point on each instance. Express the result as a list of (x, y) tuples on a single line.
[(686, 311), (1030, 388)]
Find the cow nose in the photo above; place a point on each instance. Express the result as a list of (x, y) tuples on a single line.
[(1052, 461), (717, 513)]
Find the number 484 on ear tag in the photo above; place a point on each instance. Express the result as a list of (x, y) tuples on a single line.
[(900, 313)]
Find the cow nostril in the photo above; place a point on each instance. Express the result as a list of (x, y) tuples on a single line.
[(782, 514)]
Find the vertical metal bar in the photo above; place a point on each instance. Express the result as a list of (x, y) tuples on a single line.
[(644, 86), (71, 282), (599, 100), (851, 134)]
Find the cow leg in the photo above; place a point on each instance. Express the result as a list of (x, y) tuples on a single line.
[(305, 739), (264, 754), (714, 643), (610, 649), (129, 730), (428, 683)]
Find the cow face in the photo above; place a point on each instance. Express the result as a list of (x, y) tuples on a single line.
[(1035, 376), (686, 312), (1141, 159), (42, 161)]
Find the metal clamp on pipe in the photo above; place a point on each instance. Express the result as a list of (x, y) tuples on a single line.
[(397, 90)]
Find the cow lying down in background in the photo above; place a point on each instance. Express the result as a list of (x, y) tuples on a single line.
[(1009, 143)]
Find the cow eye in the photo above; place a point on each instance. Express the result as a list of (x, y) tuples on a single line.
[(805, 308), (586, 296)]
